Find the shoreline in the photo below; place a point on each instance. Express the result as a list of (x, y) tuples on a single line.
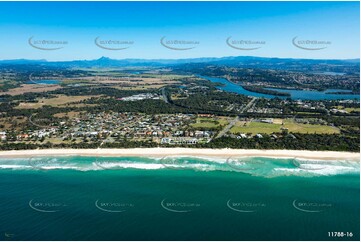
[(161, 152)]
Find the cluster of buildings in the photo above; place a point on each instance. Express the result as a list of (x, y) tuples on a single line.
[(188, 137), (265, 110), (310, 105), (260, 136), (111, 126), (29, 135), (141, 96), (335, 110), (261, 78)]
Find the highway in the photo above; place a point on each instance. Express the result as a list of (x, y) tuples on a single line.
[(236, 119)]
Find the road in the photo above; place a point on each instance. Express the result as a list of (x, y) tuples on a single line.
[(165, 98), (234, 121), (249, 105), (227, 128)]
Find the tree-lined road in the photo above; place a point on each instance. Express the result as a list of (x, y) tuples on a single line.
[(234, 121)]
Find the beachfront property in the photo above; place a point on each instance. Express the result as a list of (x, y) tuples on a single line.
[(179, 140), (163, 129), (2, 136), (169, 129)]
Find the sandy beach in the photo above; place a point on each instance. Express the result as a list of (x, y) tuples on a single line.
[(161, 152)]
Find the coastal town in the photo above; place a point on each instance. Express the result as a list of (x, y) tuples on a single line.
[(110, 127), (168, 129), (180, 120), (175, 106)]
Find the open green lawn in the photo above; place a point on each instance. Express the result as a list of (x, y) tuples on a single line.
[(258, 127), (210, 122), (352, 109), (347, 109), (310, 128)]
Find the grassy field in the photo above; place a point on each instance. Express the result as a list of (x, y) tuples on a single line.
[(347, 109), (74, 81), (176, 96), (352, 109), (26, 88), (255, 128), (210, 122), (55, 102), (140, 87), (258, 127), (13, 122)]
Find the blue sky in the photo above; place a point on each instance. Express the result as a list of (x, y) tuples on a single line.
[(274, 24)]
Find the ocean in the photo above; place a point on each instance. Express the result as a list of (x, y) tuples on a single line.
[(178, 198)]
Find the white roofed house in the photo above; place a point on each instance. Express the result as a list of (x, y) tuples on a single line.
[(273, 136), (192, 141), (199, 134), (268, 120), (242, 136), (2, 136)]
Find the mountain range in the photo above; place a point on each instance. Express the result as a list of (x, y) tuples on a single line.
[(231, 61)]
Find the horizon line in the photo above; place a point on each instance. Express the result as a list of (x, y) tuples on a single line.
[(191, 58)]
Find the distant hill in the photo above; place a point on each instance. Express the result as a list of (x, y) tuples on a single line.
[(22, 61), (231, 61)]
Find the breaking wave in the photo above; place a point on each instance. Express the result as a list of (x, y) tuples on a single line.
[(255, 166)]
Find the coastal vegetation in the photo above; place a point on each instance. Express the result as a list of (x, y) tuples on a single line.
[(266, 91)]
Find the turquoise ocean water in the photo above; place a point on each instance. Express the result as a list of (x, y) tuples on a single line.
[(178, 198)]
